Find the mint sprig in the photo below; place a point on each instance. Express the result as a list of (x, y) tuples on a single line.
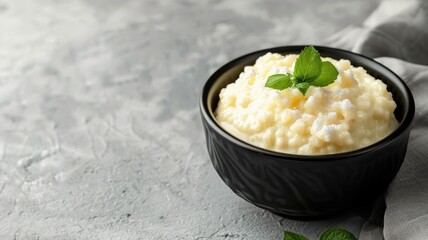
[(309, 70), (337, 234), (293, 236), (329, 234)]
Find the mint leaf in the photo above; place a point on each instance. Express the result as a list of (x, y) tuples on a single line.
[(279, 81), (303, 87), (309, 70), (328, 75), (293, 236), (308, 65), (337, 234)]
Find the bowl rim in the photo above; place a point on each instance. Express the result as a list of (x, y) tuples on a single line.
[(209, 117)]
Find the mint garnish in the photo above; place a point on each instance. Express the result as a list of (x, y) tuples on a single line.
[(279, 81), (337, 234), (293, 236), (328, 75), (309, 70), (308, 65), (329, 234)]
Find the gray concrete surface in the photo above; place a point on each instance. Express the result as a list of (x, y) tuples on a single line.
[(100, 135)]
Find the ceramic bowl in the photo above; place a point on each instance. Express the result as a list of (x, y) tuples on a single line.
[(299, 185)]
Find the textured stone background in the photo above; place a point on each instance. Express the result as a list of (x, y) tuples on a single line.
[(100, 129)]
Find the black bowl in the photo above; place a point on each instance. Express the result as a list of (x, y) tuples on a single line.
[(299, 185)]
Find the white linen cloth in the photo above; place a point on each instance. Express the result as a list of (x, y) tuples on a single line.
[(396, 34)]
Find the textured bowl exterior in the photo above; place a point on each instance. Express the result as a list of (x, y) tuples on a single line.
[(306, 186)]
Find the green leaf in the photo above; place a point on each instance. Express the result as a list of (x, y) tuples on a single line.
[(328, 75), (294, 80), (279, 81), (303, 87), (308, 65), (293, 236), (337, 234), (309, 70)]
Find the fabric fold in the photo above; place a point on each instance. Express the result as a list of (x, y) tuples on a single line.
[(396, 35)]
